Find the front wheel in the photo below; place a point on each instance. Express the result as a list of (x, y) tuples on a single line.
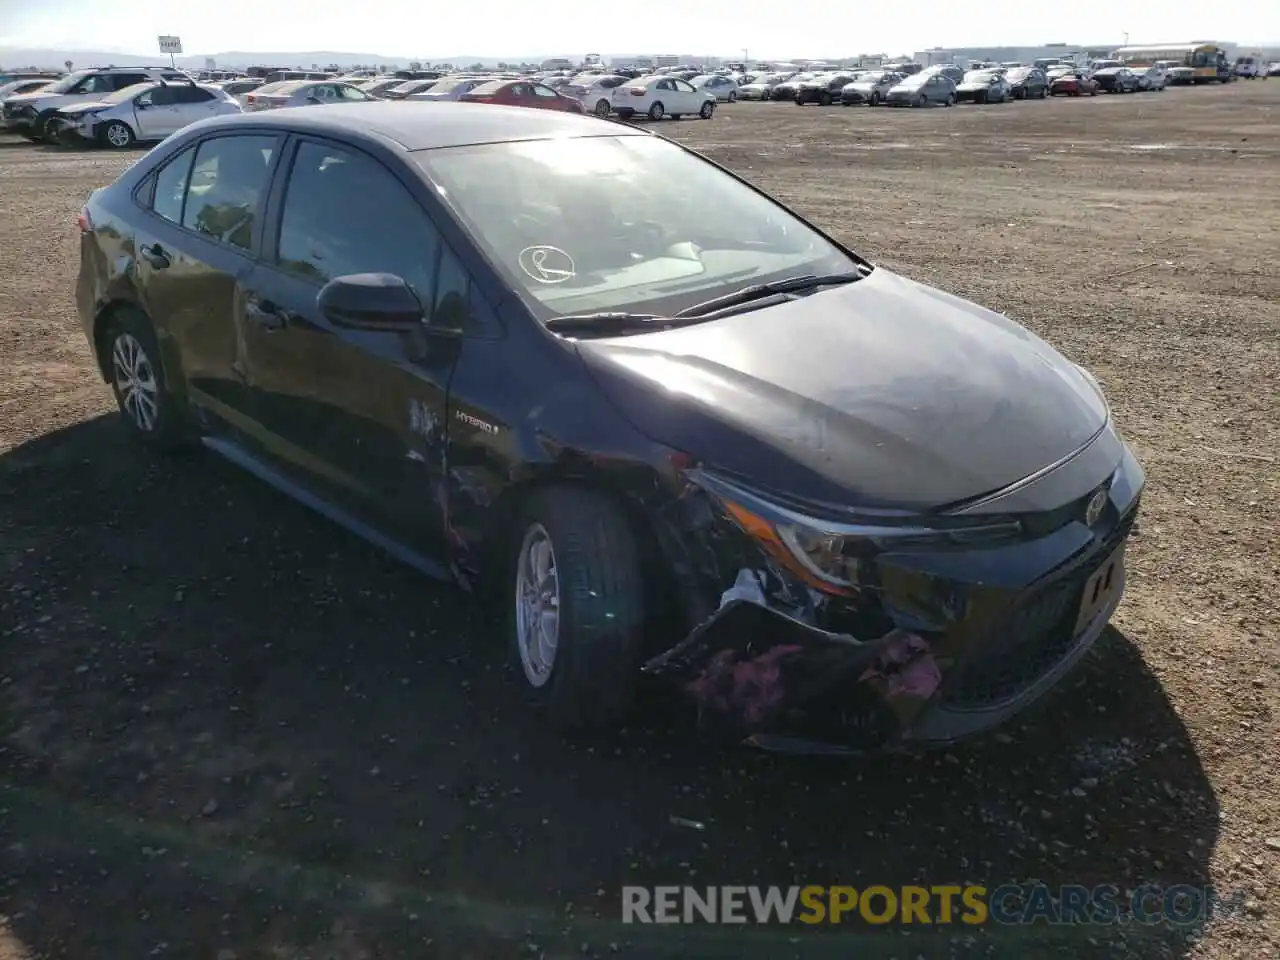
[(922, 101), (578, 610), (148, 407), (657, 111), (118, 135), (733, 97), (707, 110)]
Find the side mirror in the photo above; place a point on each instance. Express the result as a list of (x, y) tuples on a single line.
[(370, 301)]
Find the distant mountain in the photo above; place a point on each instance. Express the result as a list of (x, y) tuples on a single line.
[(17, 57)]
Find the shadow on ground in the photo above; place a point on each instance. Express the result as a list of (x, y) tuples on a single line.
[(228, 726)]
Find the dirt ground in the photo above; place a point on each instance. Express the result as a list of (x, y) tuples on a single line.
[(229, 730)]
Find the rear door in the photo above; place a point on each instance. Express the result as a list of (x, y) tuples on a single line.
[(358, 415), (191, 103), (194, 249)]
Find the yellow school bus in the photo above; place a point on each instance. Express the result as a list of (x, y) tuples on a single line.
[(1206, 61)]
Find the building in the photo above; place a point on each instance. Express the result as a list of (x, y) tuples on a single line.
[(963, 56)]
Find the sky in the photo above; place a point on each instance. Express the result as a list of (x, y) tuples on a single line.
[(420, 28)]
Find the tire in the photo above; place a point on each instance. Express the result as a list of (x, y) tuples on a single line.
[(824, 99), (585, 678), (602, 108), (1044, 93), (117, 135), (131, 355), (733, 96), (707, 110), (875, 98), (657, 111), (922, 101), (40, 127), (951, 100)]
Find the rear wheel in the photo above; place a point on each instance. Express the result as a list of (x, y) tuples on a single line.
[(657, 111), (148, 407), (578, 610), (707, 110), (922, 100), (602, 108)]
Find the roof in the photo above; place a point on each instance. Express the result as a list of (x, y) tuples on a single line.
[(430, 126)]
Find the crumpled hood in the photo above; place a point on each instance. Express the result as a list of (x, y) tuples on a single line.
[(882, 392), (84, 107)]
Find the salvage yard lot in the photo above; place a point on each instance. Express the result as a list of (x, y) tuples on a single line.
[(229, 729)]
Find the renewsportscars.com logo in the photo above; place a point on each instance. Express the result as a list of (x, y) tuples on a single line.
[(1010, 904)]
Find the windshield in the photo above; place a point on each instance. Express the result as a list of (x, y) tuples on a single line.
[(128, 93), (626, 223), (1017, 74), (66, 83), (978, 76), (875, 77), (918, 80)]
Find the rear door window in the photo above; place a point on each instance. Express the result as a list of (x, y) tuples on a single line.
[(228, 183), (171, 186)]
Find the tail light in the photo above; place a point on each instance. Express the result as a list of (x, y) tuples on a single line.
[(637, 91), (84, 221), (251, 99)]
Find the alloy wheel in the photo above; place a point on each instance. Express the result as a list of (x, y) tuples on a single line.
[(118, 135), (537, 605), (135, 380)]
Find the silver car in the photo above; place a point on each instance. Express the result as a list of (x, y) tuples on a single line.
[(922, 90), (725, 89), (870, 88), (451, 88), (304, 93), (144, 112)]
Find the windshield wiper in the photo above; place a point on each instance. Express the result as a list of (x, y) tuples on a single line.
[(759, 291), (606, 320)]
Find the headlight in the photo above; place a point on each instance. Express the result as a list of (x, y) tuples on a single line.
[(832, 555)]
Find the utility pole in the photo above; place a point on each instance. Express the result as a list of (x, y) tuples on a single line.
[(745, 62), (1126, 38)]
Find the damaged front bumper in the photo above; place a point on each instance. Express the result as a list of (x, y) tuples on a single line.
[(966, 638)]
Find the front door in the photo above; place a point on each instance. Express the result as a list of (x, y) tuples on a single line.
[(157, 113), (360, 415), (193, 254)]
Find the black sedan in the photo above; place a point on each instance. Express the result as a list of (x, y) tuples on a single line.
[(1116, 80), (823, 89), (787, 89), (1028, 83), (658, 421)]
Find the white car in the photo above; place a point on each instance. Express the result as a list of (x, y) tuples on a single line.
[(658, 97), (724, 88), (27, 85), (408, 88), (761, 88), (870, 88), (594, 91), (304, 93), (144, 112), (377, 86), (27, 113)]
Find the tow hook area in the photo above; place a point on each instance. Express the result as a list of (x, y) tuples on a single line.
[(750, 668)]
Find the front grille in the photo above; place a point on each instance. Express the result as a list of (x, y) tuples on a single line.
[(1032, 639)]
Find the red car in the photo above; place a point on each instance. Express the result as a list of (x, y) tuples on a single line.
[(1073, 85), (522, 93)]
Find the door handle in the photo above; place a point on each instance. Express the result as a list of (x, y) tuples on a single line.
[(265, 314), (155, 256)]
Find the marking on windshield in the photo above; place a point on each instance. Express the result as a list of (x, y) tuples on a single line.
[(547, 264)]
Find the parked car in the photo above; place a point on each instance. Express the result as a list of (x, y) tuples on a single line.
[(762, 87), (1116, 80), (823, 89), (594, 93), (28, 113), (408, 88), (1151, 78), (1274, 69), (1073, 84), (522, 93), (951, 71), (922, 90), (453, 88), (984, 86), (786, 90), (15, 88), (377, 86), (1250, 66), (240, 89), (870, 88), (724, 88), (304, 93), (658, 96), (145, 112), (1028, 83), (592, 392)]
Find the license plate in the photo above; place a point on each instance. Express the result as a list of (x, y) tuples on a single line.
[(1100, 589)]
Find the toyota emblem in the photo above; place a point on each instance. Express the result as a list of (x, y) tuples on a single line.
[(1097, 503)]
